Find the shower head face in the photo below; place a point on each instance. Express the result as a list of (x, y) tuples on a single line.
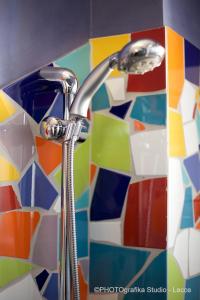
[(140, 57)]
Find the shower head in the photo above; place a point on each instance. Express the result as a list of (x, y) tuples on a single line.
[(136, 57)]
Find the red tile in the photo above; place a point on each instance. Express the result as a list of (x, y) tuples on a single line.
[(151, 81), (8, 199), (138, 126), (145, 222), (197, 207)]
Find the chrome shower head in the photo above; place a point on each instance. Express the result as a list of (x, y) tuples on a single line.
[(136, 57), (140, 57)]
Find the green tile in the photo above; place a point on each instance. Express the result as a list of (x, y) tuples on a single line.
[(81, 169), (175, 279), (78, 61), (11, 269), (110, 143)]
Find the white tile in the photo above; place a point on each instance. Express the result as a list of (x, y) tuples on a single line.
[(176, 193), (57, 205), (187, 101), (194, 252), (106, 231), (116, 87), (24, 289), (181, 251), (149, 151), (191, 138), (103, 297)]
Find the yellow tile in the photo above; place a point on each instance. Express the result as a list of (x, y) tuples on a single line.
[(7, 109), (7, 171), (176, 135), (105, 46)]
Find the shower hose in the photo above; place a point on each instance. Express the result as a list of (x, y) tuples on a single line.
[(69, 288)]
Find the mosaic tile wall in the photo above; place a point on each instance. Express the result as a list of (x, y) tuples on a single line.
[(120, 179)]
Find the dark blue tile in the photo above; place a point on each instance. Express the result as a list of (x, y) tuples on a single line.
[(194, 285), (51, 292), (41, 279), (25, 187), (82, 233), (114, 265), (120, 110), (109, 195), (58, 107), (192, 63), (192, 165), (154, 277)]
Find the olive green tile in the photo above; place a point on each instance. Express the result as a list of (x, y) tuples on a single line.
[(175, 279), (110, 143)]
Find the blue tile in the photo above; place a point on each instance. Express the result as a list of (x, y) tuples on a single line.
[(100, 100), (51, 292), (155, 276), (120, 110), (197, 120), (194, 285), (25, 187), (192, 165), (150, 109), (109, 195), (187, 215), (45, 193), (41, 279), (83, 201), (185, 177), (82, 233), (192, 63), (114, 266), (57, 109)]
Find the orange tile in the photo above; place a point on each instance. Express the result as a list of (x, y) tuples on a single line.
[(50, 154), (138, 126), (93, 169), (175, 65), (16, 231), (83, 284)]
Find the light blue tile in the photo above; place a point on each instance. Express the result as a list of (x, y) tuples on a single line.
[(82, 233), (150, 109), (78, 61), (187, 215), (186, 179), (100, 100), (83, 201), (197, 119)]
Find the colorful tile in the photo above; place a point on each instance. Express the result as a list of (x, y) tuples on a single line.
[(108, 205), (46, 239), (110, 143), (8, 199), (51, 292), (194, 246), (175, 65), (93, 170), (23, 290), (192, 165), (147, 199), (49, 154), (16, 136), (176, 194), (41, 279), (120, 110), (103, 47), (25, 187), (7, 108), (194, 285), (82, 233), (138, 126), (191, 138), (155, 276), (192, 63), (197, 120), (114, 266), (176, 135), (106, 231), (150, 109), (196, 204), (117, 88), (149, 152), (154, 80), (83, 201), (181, 251), (11, 269), (100, 99), (78, 61), (175, 279), (8, 171), (187, 101), (187, 214), (19, 227), (186, 179), (57, 109), (83, 284), (84, 263)]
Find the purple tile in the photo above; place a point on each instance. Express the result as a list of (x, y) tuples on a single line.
[(192, 63), (192, 165), (45, 249), (25, 187), (51, 292), (120, 110), (16, 136)]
